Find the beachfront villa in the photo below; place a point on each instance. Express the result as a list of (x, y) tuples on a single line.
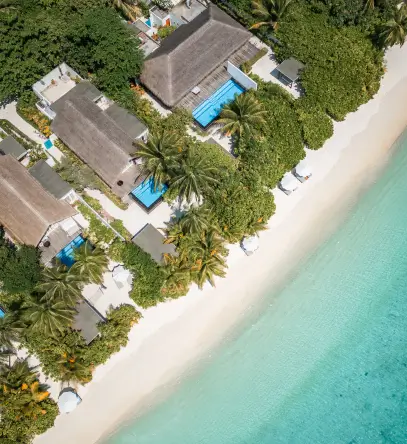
[(31, 214), (197, 66)]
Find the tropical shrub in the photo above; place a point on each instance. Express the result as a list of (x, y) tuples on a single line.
[(214, 154), (246, 67), (26, 409), (241, 206), (148, 277), (317, 126), (165, 31), (343, 69), (20, 268), (97, 232), (29, 112)]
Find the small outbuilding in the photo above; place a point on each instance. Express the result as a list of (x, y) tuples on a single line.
[(289, 71), (9, 145), (288, 184), (302, 171), (151, 241), (86, 320)]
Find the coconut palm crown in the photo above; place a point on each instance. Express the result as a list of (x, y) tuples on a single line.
[(270, 12), (60, 284), (10, 331), (90, 263), (241, 115), (159, 155), (193, 176), (394, 31)]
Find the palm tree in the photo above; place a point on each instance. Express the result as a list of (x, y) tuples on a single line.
[(176, 276), (10, 330), (270, 12), (193, 177), (196, 220), (14, 376), (48, 317), (60, 284), (241, 115), (72, 370), (394, 31), (128, 8), (90, 263), (160, 155), (211, 262)]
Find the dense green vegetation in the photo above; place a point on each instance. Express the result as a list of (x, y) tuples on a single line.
[(26, 409), (88, 35)]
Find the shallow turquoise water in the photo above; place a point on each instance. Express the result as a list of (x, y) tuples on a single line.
[(326, 359)]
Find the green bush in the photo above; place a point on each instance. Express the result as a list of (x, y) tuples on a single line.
[(165, 31), (241, 205), (317, 127), (97, 232), (118, 225), (343, 69), (148, 278), (20, 268), (217, 156)]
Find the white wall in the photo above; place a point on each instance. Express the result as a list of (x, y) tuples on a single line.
[(241, 77)]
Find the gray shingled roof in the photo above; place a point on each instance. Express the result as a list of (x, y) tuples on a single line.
[(9, 145), (26, 209), (86, 321), (191, 53), (50, 179), (102, 139), (151, 241), (290, 68)]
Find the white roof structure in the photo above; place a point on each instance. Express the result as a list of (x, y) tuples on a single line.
[(303, 169), (250, 244), (288, 182), (68, 401), (121, 274)]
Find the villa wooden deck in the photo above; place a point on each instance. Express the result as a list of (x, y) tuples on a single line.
[(217, 77)]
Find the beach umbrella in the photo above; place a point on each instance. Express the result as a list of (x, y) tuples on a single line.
[(303, 170), (121, 274), (250, 244), (288, 182), (68, 401)]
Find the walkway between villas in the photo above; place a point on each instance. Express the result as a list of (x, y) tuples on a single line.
[(9, 112)]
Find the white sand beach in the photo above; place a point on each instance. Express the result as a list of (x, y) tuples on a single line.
[(173, 335)]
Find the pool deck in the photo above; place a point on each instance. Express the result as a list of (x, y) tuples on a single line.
[(59, 239), (217, 77)]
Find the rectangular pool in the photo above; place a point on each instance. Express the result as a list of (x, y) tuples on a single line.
[(146, 194), (208, 110), (1, 313), (48, 144), (148, 22), (66, 255)]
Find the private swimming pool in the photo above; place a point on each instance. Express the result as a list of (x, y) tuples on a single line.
[(146, 194), (208, 110), (66, 255), (48, 144), (1, 313)]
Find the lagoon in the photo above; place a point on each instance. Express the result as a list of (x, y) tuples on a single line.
[(324, 360)]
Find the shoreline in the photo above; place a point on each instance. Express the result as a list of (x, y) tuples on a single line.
[(174, 335)]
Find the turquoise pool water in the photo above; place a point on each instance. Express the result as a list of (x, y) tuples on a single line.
[(148, 22), (208, 110), (146, 193), (1, 313), (66, 256), (324, 361), (48, 144)]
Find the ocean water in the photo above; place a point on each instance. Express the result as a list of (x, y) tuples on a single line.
[(325, 359)]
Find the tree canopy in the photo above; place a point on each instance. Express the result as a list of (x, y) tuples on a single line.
[(38, 36)]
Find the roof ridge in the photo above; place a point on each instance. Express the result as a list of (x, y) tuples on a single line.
[(102, 129)]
